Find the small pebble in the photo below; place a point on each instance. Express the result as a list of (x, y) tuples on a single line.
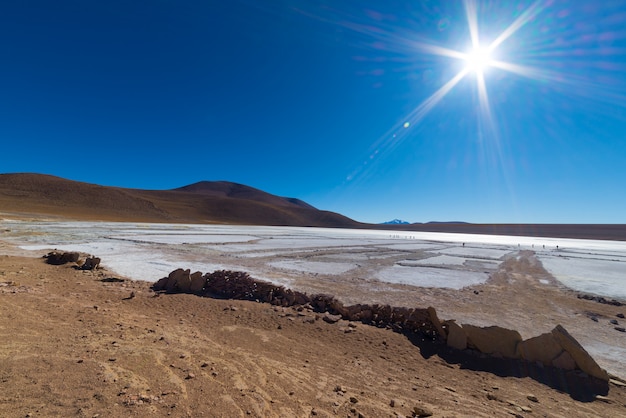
[(532, 398)]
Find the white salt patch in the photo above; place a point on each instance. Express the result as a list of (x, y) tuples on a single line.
[(319, 267), (412, 246), (590, 276), (184, 238), (476, 252), (436, 260), (431, 277)]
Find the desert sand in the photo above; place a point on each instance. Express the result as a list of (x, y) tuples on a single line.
[(94, 344)]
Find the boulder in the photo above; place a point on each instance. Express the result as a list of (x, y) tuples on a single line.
[(197, 282), (71, 257), (160, 284), (176, 278), (456, 336), (91, 263), (564, 361), (493, 340), (432, 313), (57, 259), (583, 360), (543, 348), (330, 318)]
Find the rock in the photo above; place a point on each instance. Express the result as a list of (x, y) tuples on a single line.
[(178, 276), (197, 282), (493, 340), (614, 322), (421, 411), (57, 259), (160, 284), (564, 361), (353, 399), (620, 329), (584, 361), (190, 376), (392, 403), (456, 336), (543, 348), (532, 398), (91, 263), (432, 313), (620, 315), (331, 319), (183, 282)]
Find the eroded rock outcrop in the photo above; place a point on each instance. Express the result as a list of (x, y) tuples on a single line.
[(239, 285), (59, 258), (555, 349)]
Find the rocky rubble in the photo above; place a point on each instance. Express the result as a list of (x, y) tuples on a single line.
[(239, 285), (555, 349), (60, 258)]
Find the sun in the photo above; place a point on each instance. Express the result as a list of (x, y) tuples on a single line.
[(478, 59)]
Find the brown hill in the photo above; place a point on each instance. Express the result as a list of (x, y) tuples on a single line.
[(240, 191), (203, 202)]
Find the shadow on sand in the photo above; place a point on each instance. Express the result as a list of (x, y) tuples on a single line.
[(577, 384)]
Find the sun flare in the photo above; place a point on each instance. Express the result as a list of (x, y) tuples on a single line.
[(478, 59)]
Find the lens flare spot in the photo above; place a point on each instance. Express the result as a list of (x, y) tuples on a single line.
[(406, 125)]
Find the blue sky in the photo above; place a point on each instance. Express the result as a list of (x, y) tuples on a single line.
[(332, 102)]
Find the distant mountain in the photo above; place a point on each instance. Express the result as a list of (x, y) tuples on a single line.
[(240, 191), (203, 202), (221, 202), (396, 222), (446, 222)]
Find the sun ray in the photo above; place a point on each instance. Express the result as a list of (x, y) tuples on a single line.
[(394, 136), (471, 12), (580, 85), (524, 18), (438, 50)]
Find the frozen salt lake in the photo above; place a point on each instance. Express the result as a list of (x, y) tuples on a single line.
[(282, 254)]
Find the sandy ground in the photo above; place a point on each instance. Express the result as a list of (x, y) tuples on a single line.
[(74, 343)]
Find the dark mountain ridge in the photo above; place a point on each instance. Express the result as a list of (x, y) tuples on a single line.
[(202, 202), (222, 202)]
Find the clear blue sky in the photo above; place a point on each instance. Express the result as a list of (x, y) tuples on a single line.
[(333, 102)]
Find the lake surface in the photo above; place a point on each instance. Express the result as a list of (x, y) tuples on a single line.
[(281, 254)]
